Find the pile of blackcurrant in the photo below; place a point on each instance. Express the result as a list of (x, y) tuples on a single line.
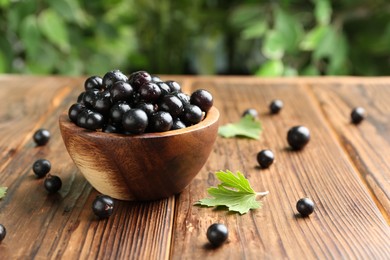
[(137, 104)]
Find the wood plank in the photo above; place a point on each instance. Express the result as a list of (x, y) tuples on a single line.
[(62, 225), (346, 222), (367, 144)]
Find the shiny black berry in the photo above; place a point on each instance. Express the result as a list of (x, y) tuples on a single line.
[(161, 121), (82, 117), (53, 183), (217, 234), (94, 121), (305, 207), (89, 97), (275, 106), (171, 104), (41, 137), (149, 108), (357, 115), (174, 86), (138, 78), (121, 91), (155, 78), (191, 115), (165, 89), (113, 76), (298, 137), (93, 82), (102, 102), (109, 128), (41, 167), (184, 98), (3, 232), (117, 111), (177, 124), (74, 111), (203, 99), (252, 112), (103, 206), (149, 92), (135, 121), (265, 158)]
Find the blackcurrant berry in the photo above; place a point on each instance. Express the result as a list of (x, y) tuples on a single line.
[(149, 108), (94, 121), (113, 76), (177, 124), (53, 183), (3, 232), (41, 167), (357, 115), (184, 98), (110, 129), (192, 114), (265, 158), (89, 97), (103, 206), (252, 112), (203, 99), (139, 78), (165, 89), (155, 78), (305, 207), (161, 121), (171, 104), (121, 91), (149, 92), (117, 111), (298, 137), (93, 82), (174, 86), (102, 102), (217, 234), (275, 106), (82, 118), (74, 111), (135, 121), (41, 136)]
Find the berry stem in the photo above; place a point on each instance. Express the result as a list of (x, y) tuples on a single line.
[(262, 194)]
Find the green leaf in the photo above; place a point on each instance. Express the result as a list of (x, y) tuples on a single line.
[(273, 47), (289, 28), (271, 68), (234, 192), (247, 126), (3, 191), (323, 11), (255, 30), (313, 38), (54, 28), (30, 35)]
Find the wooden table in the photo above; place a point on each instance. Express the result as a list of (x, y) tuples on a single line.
[(345, 169)]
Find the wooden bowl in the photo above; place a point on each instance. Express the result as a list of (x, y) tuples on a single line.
[(140, 167)]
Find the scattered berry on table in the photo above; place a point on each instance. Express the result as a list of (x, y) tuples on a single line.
[(52, 183), (265, 158), (298, 137), (275, 106), (103, 206), (41, 137), (305, 206), (41, 167), (250, 111), (217, 234), (357, 115), (3, 232)]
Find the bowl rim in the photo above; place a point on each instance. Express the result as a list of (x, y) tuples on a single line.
[(212, 117)]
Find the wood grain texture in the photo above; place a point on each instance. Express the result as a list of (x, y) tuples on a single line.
[(338, 169), (42, 226), (367, 144), (346, 222)]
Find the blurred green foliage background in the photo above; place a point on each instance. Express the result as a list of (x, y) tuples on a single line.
[(265, 38)]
